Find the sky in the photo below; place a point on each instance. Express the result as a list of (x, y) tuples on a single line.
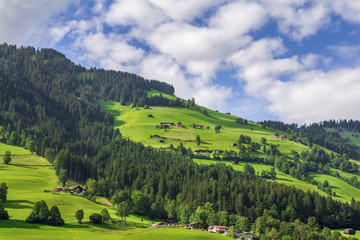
[(288, 60)]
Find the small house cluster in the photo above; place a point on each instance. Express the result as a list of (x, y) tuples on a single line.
[(73, 190), (282, 137), (168, 223)]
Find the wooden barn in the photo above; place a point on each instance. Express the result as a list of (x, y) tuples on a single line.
[(194, 226), (349, 231)]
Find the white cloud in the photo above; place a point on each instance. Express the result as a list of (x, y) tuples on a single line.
[(27, 22), (297, 20), (345, 51), (110, 51), (257, 66), (185, 10), (316, 95), (134, 12), (347, 9), (164, 68)]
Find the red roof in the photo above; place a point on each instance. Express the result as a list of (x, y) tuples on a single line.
[(221, 227)]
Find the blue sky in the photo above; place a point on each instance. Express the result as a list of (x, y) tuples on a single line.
[(288, 60)]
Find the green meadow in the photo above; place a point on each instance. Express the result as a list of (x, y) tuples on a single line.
[(27, 175), (13, 149), (135, 124)]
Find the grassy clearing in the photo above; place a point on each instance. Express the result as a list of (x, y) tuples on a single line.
[(135, 124), (344, 191), (15, 150), (154, 92), (354, 137)]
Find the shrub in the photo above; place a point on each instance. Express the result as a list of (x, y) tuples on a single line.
[(3, 213), (95, 218)]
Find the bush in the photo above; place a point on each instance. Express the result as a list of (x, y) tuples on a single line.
[(105, 215), (95, 218), (3, 213), (7, 157)]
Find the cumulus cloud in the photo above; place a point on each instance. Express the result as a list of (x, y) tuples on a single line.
[(345, 51), (297, 19), (316, 95), (26, 22), (134, 12)]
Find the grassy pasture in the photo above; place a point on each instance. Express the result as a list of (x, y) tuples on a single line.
[(15, 150), (154, 92), (135, 124)]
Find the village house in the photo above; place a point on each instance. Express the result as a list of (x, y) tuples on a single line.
[(179, 125), (198, 126), (227, 113), (194, 226), (59, 189), (150, 116), (275, 135), (155, 136), (282, 137), (161, 141), (168, 223), (77, 189), (349, 231), (235, 163), (217, 229), (167, 124)]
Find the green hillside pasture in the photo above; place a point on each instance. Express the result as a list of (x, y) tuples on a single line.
[(353, 136), (101, 232), (175, 234), (135, 124), (344, 191), (15, 150), (154, 92), (280, 176)]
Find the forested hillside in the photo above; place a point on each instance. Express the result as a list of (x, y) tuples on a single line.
[(51, 106)]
